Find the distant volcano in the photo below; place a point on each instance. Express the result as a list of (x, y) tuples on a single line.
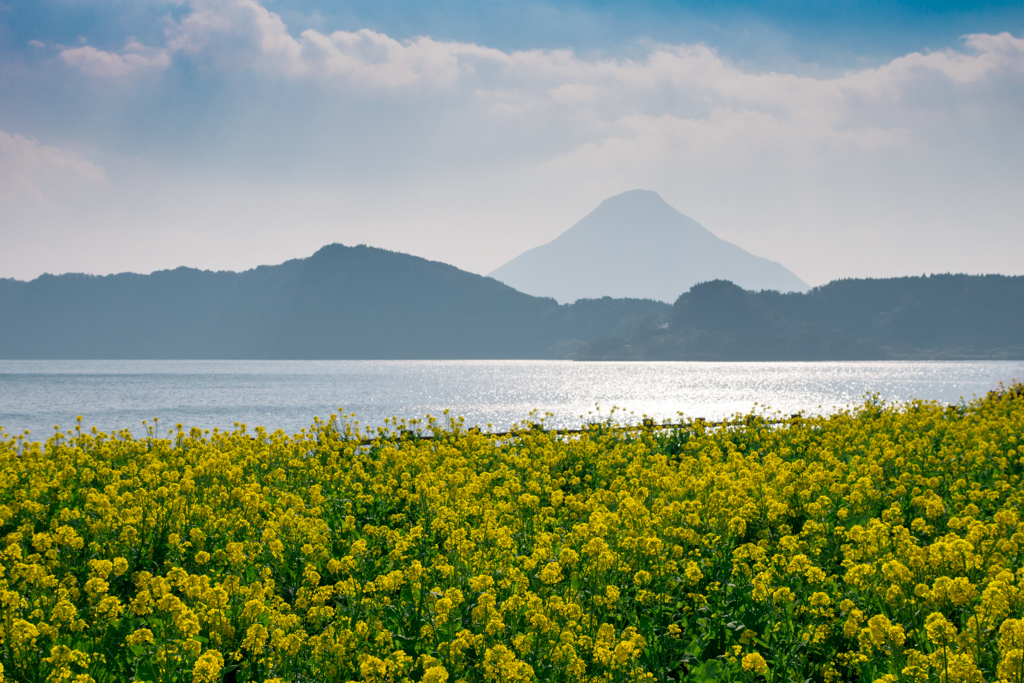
[(635, 245)]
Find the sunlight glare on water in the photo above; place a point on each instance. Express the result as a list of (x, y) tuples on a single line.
[(36, 395)]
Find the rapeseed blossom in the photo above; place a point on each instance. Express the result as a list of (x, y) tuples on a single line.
[(883, 543)]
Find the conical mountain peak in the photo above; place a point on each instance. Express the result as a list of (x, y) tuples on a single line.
[(636, 214), (636, 245)]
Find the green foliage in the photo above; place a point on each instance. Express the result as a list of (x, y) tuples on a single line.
[(883, 543)]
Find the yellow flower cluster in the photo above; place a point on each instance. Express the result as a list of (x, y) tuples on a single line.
[(883, 543)]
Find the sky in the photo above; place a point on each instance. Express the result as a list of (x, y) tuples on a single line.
[(841, 139)]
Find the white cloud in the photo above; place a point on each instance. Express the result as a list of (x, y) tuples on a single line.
[(28, 168), (673, 81), (576, 94), (134, 58), (245, 33), (260, 39), (688, 81), (372, 58), (238, 32)]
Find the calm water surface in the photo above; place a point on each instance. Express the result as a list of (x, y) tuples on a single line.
[(36, 395)]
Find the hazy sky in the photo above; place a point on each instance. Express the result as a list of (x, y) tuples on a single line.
[(840, 138)]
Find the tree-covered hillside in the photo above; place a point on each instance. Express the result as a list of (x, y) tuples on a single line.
[(940, 316), (340, 303)]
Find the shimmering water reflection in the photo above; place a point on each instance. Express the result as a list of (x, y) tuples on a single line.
[(36, 395)]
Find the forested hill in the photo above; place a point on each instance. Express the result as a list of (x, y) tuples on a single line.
[(340, 303), (934, 317)]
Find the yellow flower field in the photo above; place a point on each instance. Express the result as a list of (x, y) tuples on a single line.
[(883, 543)]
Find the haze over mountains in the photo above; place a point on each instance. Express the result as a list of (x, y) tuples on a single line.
[(367, 303), (636, 245)]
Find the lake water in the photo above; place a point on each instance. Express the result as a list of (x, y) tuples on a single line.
[(36, 395)]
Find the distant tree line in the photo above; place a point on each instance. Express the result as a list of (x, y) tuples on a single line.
[(934, 317)]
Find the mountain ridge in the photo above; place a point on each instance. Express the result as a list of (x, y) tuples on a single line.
[(935, 317), (341, 302), (367, 303)]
